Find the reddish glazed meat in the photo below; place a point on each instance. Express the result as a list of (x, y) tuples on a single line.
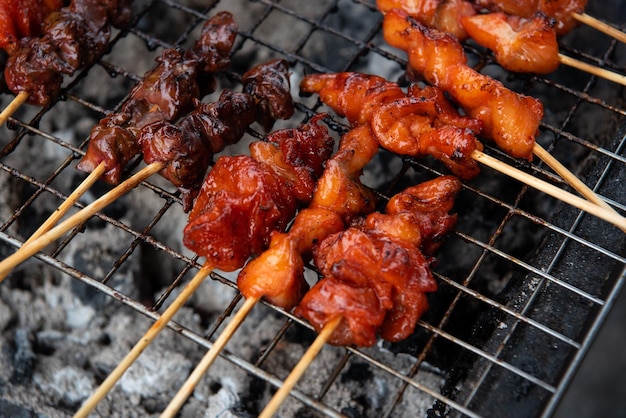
[(375, 275), (560, 10), (23, 18), (277, 274), (165, 93), (444, 15), (419, 123), (244, 199), (510, 119), (522, 45)]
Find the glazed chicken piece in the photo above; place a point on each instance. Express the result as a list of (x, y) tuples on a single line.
[(560, 10), (521, 45), (244, 198), (510, 119), (23, 19), (375, 273), (444, 15), (419, 123), (165, 93), (72, 38), (277, 275)]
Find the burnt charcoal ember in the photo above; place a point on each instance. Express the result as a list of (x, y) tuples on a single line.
[(24, 357)]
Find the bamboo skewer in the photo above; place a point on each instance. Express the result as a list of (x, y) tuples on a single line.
[(78, 218), (194, 378), (63, 208), (28, 250), (593, 70), (104, 388), (571, 179), (573, 200), (297, 372), (13, 106), (600, 26)]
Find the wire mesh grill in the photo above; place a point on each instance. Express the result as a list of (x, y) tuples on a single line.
[(525, 281)]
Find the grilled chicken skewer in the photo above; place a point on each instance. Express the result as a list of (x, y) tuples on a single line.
[(406, 123), (277, 274), (182, 152), (565, 13), (72, 37), (375, 274), (523, 36), (279, 177)]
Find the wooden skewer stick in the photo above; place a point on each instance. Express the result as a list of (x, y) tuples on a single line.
[(571, 179), (550, 189), (63, 208), (601, 26), (104, 388), (194, 378), (78, 218), (593, 70), (13, 106), (279, 397)]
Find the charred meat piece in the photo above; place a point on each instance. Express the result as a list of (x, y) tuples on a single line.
[(277, 275), (165, 93), (270, 83), (187, 148), (75, 36)]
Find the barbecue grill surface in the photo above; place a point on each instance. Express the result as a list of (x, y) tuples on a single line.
[(525, 281)]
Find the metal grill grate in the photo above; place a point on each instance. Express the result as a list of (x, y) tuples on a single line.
[(525, 281)]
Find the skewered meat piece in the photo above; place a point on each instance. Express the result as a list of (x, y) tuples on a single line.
[(522, 8), (244, 198), (188, 146), (72, 37), (278, 273), (510, 119), (19, 19), (166, 92), (519, 44), (560, 10), (375, 272), (269, 83), (418, 123), (444, 15)]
